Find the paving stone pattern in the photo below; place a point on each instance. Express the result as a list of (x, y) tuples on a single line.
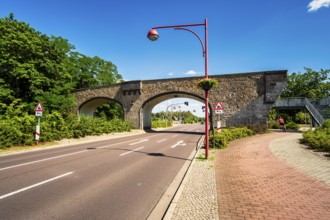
[(253, 183), (292, 152), (198, 199)]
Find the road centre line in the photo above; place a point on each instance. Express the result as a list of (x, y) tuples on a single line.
[(35, 185), (38, 161), (110, 145), (131, 151), (161, 140), (141, 141), (65, 155)]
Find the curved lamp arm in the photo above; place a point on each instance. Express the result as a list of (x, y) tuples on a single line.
[(200, 40)]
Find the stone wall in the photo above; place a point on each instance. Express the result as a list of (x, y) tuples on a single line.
[(247, 97)]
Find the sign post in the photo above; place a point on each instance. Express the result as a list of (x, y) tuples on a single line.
[(38, 110), (218, 109)]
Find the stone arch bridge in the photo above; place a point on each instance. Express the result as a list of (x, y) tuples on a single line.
[(247, 97)]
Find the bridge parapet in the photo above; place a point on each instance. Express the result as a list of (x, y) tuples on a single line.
[(247, 97)]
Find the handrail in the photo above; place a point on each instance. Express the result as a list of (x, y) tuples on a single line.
[(301, 102), (314, 112)]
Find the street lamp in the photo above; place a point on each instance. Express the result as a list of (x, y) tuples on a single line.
[(153, 35)]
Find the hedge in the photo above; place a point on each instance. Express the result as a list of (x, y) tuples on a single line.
[(319, 139), (20, 131), (227, 135)]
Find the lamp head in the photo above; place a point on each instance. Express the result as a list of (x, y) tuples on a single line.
[(153, 35)]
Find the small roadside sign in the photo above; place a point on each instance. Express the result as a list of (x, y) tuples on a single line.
[(218, 111), (39, 107), (38, 110), (38, 114), (218, 106)]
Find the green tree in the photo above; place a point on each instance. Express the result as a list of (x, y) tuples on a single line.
[(311, 84), (30, 65), (35, 67), (109, 111)]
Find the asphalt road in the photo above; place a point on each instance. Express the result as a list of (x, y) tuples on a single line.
[(120, 178)]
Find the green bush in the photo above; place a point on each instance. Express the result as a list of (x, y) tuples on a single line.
[(292, 126), (301, 118), (258, 129), (222, 139), (20, 130), (273, 125), (326, 124), (289, 125), (17, 131), (319, 139), (161, 124)]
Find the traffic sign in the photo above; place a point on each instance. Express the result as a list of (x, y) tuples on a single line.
[(38, 114), (39, 107), (218, 111), (218, 106)]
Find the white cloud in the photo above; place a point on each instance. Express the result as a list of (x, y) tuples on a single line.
[(171, 74), (315, 5), (191, 72)]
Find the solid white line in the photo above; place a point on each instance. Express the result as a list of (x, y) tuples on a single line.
[(38, 161), (131, 151), (141, 141), (161, 140), (35, 185)]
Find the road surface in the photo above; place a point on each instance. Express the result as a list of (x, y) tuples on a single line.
[(120, 178)]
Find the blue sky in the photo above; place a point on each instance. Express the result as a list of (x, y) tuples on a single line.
[(244, 35)]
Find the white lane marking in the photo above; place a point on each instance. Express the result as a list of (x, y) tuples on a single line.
[(161, 140), (141, 141), (131, 151), (35, 185), (38, 161), (110, 145), (180, 143)]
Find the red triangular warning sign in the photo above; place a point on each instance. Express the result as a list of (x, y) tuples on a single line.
[(218, 106), (39, 107)]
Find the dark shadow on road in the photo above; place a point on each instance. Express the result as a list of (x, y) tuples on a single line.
[(154, 154), (174, 132)]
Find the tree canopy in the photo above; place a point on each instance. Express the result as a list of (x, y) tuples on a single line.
[(311, 84), (36, 67)]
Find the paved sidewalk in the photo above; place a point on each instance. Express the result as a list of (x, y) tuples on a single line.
[(254, 183), (267, 176), (289, 150), (197, 197)]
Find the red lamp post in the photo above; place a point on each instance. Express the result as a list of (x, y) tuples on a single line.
[(153, 35)]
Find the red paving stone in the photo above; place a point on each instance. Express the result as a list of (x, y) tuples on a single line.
[(252, 183)]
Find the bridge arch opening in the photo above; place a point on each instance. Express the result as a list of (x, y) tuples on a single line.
[(148, 106), (102, 107)]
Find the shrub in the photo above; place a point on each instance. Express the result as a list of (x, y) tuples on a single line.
[(160, 124), (318, 139), (17, 131), (301, 118), (258, 129), (273, 125), (292, 126), (20, 130), (326, 124), (222, 139)]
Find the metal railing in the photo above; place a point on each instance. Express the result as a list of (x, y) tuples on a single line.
[(303, 103)]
